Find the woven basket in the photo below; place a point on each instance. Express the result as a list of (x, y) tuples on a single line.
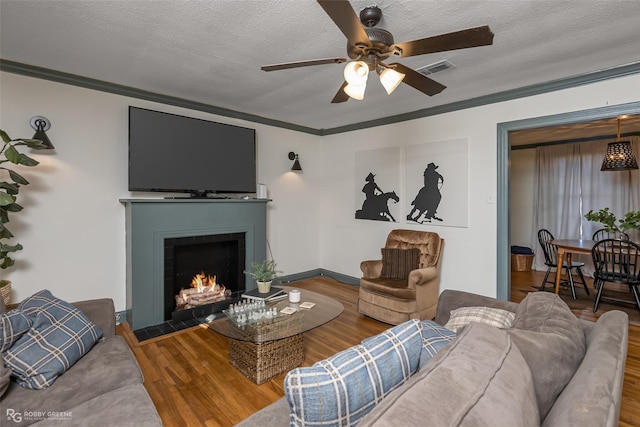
[(263, 361), (521, 262), (6, 293)]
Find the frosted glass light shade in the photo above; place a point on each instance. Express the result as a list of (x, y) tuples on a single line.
[(390, 79), (355, 92), (356, 73)]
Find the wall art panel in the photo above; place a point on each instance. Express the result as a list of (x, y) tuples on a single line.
[(377, 183)]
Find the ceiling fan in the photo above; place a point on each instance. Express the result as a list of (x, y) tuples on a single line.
[(368, 47)]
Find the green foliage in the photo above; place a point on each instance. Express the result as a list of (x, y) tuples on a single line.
[(9, 190), (264, 271), (604, 216)]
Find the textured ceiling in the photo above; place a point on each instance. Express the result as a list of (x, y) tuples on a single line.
[(211, 51)]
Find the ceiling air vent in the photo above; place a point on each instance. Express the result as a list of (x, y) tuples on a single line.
[(436, 67)]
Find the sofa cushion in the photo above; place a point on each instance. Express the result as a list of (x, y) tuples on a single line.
[(128, 406), (546, 312), (593, 396), (481, 379), (59, 336), (497, 317), (13, 325), (398, 263), (109, 365), (434, 337), (552, 342), (340, 390), (5, 377)]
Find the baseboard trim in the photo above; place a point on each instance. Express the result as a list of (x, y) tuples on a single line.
[(349, 280)]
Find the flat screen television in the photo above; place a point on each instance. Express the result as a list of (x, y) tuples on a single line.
[(178, 154)]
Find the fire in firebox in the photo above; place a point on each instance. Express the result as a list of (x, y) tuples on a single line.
[(204, 290)]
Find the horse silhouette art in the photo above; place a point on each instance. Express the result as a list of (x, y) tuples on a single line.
[(376, 203), (428, 198)]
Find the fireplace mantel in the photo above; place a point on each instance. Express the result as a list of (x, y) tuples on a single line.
[(150, 221)]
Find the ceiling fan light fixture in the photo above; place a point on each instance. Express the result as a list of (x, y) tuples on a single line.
[(355, 91), (390, 79), (356, 73)]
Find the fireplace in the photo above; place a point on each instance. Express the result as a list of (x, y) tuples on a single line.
[(210, 266), (151, 224)]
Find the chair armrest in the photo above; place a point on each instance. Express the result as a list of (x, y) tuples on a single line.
[(422, 276), (449, 300), (101, 312), (371, 269)]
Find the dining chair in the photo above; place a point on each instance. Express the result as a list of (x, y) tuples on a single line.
[(616, 261), (551, 261), (603, 233)]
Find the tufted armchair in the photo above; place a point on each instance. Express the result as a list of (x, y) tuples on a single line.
[(404, 284)]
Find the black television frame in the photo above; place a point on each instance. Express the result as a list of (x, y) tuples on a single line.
[(220, 135)]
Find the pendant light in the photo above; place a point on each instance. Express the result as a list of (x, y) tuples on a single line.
[(619, 156)]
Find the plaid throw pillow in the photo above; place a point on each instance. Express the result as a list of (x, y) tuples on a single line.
[(59, 336), (340, 390), (497, 317), (434, 337), (398, 263), (12, 325)]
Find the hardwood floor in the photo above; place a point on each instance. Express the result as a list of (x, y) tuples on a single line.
[(189, 378)]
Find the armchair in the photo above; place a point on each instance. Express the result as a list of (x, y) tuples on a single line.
[(404, 284)]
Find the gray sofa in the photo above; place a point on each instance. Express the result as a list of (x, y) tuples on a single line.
[(549, 369), (104, 388)]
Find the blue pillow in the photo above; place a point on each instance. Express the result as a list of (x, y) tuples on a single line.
[(434, 337), (59, 336), (12, 325), (340, 390)]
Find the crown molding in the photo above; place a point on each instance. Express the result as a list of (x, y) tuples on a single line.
[(537, 89)]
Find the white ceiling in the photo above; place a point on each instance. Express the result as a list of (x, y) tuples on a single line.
[(211, 51)]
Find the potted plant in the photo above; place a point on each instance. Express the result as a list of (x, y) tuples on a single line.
[(263, 272), (9, 190), (604, 216)]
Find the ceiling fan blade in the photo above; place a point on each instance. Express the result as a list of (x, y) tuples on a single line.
[(341, 95), (417, 81), (471, 37), (298, 64), (343, 15)]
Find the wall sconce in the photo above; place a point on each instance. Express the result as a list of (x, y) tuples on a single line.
[(296, 164), (41, 125), (619, 156)]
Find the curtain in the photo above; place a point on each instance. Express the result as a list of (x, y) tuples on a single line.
[(569, 183)]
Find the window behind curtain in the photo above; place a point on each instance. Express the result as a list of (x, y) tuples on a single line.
[(569, 183)]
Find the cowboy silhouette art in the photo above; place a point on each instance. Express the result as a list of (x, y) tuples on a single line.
[(428, 199), (375, 205)]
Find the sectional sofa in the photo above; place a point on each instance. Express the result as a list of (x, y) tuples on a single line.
[(545, 368)]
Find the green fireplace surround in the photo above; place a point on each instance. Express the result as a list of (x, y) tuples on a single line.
[(150, 221)]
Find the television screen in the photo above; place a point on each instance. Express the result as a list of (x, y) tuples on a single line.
[(172, 153)]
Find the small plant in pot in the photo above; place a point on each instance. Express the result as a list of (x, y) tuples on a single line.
[(9, 190), (263, 272), (630, 221)]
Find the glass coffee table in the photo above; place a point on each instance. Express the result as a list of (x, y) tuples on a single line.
[(264, 349)]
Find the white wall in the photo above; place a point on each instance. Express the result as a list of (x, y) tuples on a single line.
[(72, 227), (469, 261)]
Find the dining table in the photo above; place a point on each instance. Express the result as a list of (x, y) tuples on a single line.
[(568, 247)]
